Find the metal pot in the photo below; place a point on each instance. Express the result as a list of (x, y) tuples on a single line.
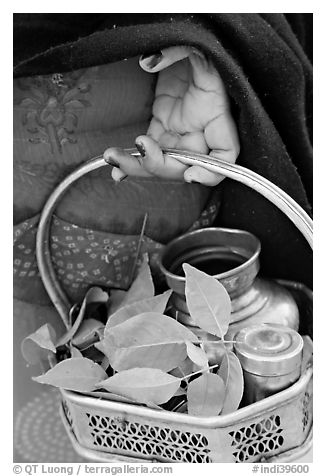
[(232, 257)]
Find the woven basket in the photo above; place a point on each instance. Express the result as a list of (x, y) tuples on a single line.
[(276, 428)]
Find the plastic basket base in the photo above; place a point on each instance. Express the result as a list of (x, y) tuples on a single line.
[(289, 456)]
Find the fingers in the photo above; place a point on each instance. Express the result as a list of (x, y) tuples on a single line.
[(123, 164), (155, 163), (222, 137), (118, 175), (197, 174), (164, 58), (151, 156), (151, 162), (214, 130), (204, 176)]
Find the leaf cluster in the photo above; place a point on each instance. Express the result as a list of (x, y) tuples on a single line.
[(141, 355)]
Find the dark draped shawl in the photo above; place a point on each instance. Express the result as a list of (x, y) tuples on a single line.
[(265, 63)]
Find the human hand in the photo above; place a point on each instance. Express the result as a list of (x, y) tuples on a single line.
[(190, 112)]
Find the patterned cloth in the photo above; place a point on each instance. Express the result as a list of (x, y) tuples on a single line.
[(84, 257), (60, 121)]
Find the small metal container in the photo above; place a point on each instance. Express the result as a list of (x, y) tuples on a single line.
[(270, 356)]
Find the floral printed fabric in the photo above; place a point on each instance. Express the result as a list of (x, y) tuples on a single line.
[(83, 257), (60, 121)]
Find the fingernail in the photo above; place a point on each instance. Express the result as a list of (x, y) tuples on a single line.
[(122, 178), (112, 162), (194, 181), (155, 59), (140, 148)]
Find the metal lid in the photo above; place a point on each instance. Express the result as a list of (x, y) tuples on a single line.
[(269, 349)]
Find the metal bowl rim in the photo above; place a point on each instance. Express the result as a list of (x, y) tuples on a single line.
[(226, 274)]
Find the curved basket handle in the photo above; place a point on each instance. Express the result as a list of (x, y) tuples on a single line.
[(245, 176)]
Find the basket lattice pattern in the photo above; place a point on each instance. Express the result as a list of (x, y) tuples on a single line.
[(307, 408), (257, 439), (147, 440)]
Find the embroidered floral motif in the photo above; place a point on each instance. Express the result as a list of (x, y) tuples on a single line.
[(51, 106)]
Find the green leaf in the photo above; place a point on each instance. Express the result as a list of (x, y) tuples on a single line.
[(152, 304), (188, 367), (208, 302), (94, 294), (185, 368), (79, 374), (206, 395), (142, 287), (87, 333), (231, 372), (197, 355), (143, 385), (39, 345), (147, 340)]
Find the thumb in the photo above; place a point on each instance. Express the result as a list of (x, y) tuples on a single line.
[(163, 59), (197, 174)]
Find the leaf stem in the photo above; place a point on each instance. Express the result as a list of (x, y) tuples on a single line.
[(199, 372), (218, 341), (140, 242)]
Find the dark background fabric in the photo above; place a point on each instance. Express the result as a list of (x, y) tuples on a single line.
[(265, 61)]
